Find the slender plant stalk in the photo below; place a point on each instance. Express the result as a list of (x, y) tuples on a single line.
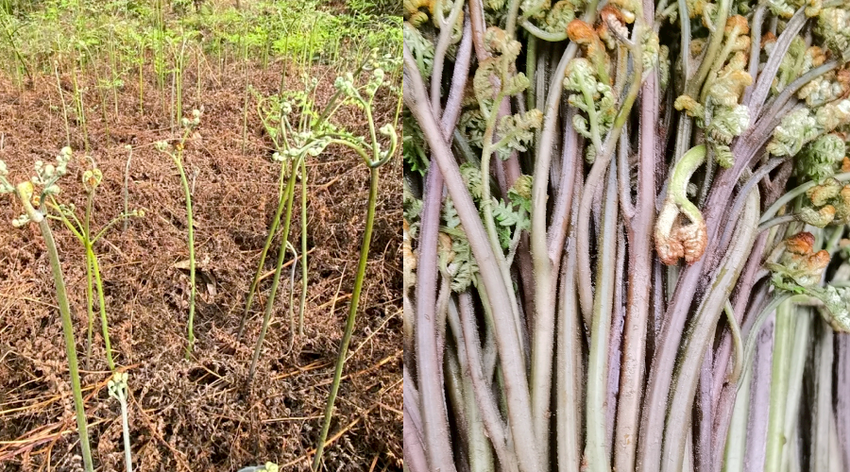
[(284, 238), (67, 323), (544, 296), (199, 53), (352, 313), (64, 106), (190, 230), (126, 189), (639, 231), (822, 413), (797, 361), (70, 349), (303, 303), (89, 305), (178, 79), (783, 342), (86, 233), (125, 429), (141, 76), (114, 69), (736, 441), (81, 112), (100, 86), (597, 366), (102, 302), (272, 232), (246, 88)]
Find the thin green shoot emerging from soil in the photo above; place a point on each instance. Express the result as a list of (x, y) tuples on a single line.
[(46, 178), (292, 141), (118, 390), (374, 156), (82, 230), (176, 154)]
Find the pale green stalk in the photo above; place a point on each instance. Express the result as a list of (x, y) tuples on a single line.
[(103, 321), (126, 189), (198, 87), (64, 107), (272, 231), (89, 305), (113, 67), (797, 360), (303, 303), (81, 112), (178, 77), (246, 88), (284, 237), (67, 323), (125, 429), (779, 383), (178, 161), (597, 454), (141, 57), (352, 313), (736, 440), (118, 389)]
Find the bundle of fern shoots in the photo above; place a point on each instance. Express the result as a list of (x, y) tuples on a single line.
[(625, 235)]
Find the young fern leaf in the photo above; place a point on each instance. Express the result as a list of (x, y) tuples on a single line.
[(783, 8), (800, 269), (594, 98), (720, 115), (517, 131), (520, 192), (414, 149), (422, 49), (796, 129), (820, 158), (509, 219), (472, 178), (801, 127), (830, 203), (833, 26), (455, 253), (496, 76)]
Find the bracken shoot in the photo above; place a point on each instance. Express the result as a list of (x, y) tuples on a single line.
[(625, 235)]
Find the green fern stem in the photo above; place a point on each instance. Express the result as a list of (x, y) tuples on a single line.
[(67, 323), (89, 306), (284, 238), (272, 231), (178, 161), (782, 345), (303, 303), (352, 313), (102, 302)]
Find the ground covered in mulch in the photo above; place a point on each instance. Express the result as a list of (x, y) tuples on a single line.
[(197, 414)]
